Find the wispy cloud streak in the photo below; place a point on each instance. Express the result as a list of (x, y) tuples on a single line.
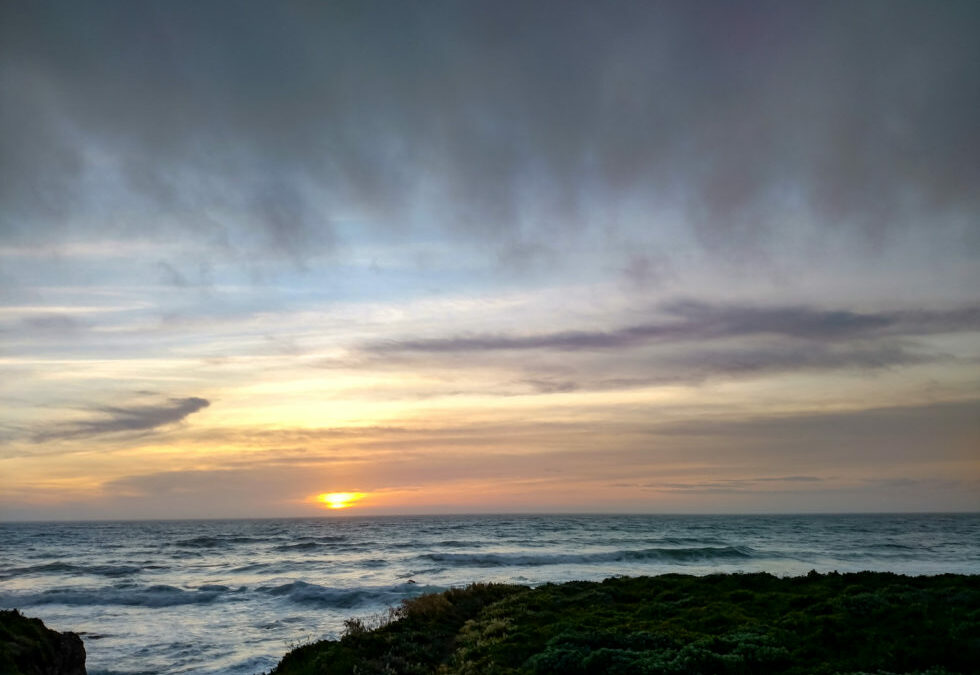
[(126, 419), (699, 321)]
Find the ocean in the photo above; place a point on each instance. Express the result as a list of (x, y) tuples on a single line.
[(231, 597)]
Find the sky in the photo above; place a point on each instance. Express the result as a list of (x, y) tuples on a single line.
[(467, 256)]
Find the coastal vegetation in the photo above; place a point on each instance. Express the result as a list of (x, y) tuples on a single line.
[(677, 624)]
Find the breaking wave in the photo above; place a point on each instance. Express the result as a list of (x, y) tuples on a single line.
[(150, 596), (311, 544), (346, 598), (69, 568), (652, 555)]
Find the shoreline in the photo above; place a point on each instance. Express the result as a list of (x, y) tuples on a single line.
[(855, 622), (230, 598)]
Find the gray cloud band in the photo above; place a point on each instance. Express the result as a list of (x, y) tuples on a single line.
[(260, 129), (698, 321)]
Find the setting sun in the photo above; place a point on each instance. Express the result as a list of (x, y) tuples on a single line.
[(339, 500)]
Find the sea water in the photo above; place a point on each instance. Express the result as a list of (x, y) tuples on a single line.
[(233, 596)]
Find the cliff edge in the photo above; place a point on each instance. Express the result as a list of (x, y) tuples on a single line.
[(28, 647)]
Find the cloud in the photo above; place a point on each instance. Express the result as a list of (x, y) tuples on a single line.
[(126, 419), (458, 200), (696, 321), (876, 434), (790, 479), (523, 125), (54, 323), (699, 365), (735, 485), (822, 457), (550, 386)]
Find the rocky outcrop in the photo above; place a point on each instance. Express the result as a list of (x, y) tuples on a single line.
[(28, 647)]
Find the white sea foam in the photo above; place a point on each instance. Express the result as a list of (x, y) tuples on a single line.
[(152, 596)]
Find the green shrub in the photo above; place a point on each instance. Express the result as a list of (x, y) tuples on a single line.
[(673, 624)]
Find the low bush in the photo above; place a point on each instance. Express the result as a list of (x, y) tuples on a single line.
[(672, 624)]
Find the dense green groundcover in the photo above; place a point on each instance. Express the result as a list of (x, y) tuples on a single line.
[(743, 623)]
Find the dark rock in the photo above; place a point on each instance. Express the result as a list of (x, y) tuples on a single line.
[(28, 647)]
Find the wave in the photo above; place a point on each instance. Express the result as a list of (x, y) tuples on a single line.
[(217, 541), (69, 568), (446, 543), (371, 563), (419, 572), (890, 545), (460, 543), (302, 546), (278, 566), (681, 541), (200, 542), (256, 566), (311, 543), (346, 598), (653, 555), (151, 596)]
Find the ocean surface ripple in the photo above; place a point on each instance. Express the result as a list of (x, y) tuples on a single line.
[(230, 597)]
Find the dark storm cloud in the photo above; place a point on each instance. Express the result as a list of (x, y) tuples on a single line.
[(126, 419), (506, 120), (695, 321)]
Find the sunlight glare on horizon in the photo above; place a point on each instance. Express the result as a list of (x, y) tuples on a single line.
[(339, 500)]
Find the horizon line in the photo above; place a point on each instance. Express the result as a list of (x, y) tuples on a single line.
[(489, 514)]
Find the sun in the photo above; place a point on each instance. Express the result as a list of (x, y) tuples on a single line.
[(339, 500)]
